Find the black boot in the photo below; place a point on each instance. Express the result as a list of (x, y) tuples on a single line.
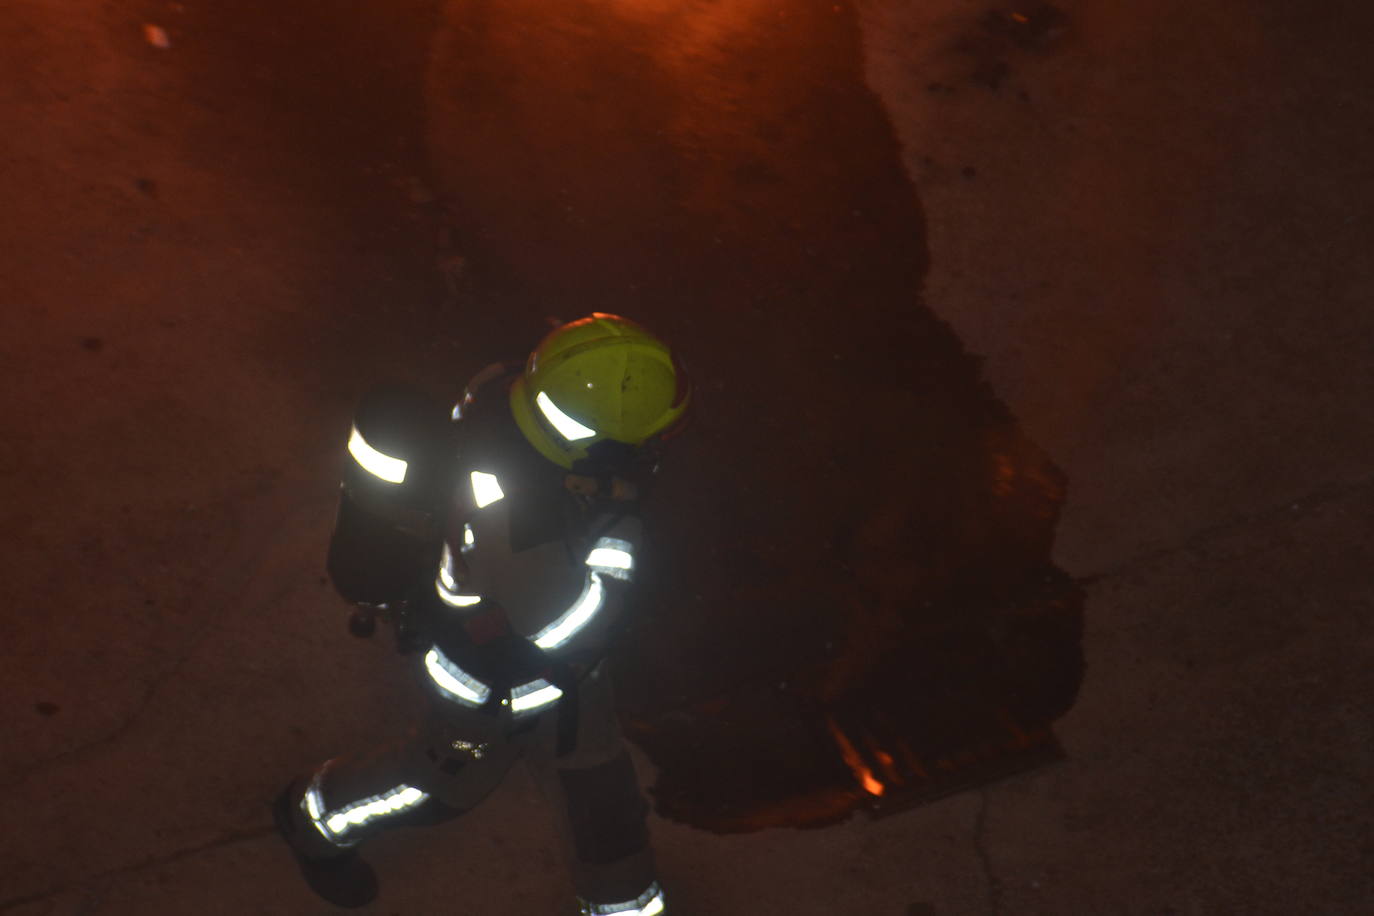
[(344, 880)]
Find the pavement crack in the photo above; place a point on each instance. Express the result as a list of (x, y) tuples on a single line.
[(119, 731), (226, 838), (251, 548), (994, 884)]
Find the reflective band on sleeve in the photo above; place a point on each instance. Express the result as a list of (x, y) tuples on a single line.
[(446, 579), (576, 617), (453, 598), (469, 539), (446, 586), (534, 695), (612, 557), (446, 570), (392, 470), (567, 427), (649, 903), (486, 489), (608, 557), (454, 682)]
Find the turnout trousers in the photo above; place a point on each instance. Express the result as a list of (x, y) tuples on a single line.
[(455, 757)]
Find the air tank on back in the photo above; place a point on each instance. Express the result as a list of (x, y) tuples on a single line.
[(386, 534)]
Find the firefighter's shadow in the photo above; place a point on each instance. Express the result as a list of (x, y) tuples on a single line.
[(910, 639)]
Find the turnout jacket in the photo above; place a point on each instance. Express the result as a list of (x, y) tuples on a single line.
[(515, 574)]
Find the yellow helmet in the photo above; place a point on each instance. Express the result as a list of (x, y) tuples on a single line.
[(600, 379)]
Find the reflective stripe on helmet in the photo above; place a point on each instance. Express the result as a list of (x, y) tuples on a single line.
[(649, 903), (392, 470), (534, 695), (486, 489), (612, 378), (567, 427), (452, 681)]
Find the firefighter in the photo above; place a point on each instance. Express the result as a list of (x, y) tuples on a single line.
[(499, 540)]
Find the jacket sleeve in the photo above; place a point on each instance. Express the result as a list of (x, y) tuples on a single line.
[(565, 597), (586, 627)]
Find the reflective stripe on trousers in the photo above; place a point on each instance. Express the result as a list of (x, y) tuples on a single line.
[(650, 902), (455, 759)]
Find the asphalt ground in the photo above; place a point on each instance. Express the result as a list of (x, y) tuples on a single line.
[(212, 248)]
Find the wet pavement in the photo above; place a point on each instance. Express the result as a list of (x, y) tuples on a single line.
[(215, 246)]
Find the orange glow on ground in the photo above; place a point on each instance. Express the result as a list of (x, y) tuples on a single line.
[(890, 767), (855, 761)]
